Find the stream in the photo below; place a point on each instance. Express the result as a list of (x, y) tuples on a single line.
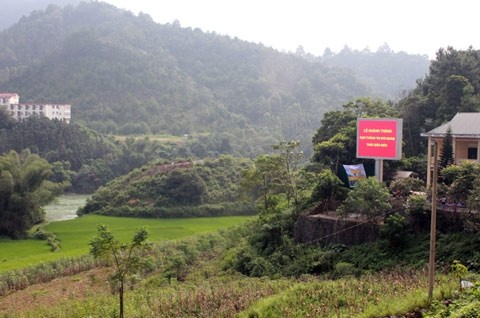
[(65, 207)]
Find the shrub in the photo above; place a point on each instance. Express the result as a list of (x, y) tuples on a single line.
[(418, 208), (343, 269), (403, 187), (369, 197), (395, 230)]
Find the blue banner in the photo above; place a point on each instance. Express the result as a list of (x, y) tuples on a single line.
[(354, 173)]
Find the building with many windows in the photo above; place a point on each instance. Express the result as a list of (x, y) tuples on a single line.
[(11, 102)]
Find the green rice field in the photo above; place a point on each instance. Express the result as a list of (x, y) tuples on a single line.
[(75, 235)]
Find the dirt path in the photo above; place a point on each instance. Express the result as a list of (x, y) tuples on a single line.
[(78, 286)]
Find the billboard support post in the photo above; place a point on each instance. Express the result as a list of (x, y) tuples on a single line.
[(379, 169)]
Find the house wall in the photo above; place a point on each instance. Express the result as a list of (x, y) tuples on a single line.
[(55, 111), (7, 99), (461, 149), (460, 152)]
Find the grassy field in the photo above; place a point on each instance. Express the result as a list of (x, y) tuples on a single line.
[(75, 235)]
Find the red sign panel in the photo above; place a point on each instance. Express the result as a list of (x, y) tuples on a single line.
[(379, 138)]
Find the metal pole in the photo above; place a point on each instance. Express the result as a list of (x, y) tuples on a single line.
[(433, 225), (379, 169)]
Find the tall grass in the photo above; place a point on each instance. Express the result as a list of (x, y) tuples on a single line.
[(379, 295), (44, 272), (390, 294)]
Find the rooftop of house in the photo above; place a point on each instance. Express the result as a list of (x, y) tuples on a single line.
[(8, 95), (43, 104), (462, 125)]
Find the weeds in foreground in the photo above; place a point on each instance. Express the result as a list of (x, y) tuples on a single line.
[(379, 295)]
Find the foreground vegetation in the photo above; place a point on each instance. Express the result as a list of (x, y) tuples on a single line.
[(349, 297), (191, 278)]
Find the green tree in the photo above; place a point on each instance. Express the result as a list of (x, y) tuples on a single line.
[(403, 187), (332, 122), (473, 200), (460, 180), (369, 197), (181, 187), (125, 257), (446, 154), (24, 189), (452, 85), (328, 191), (291, 157), (395, 230), (456, 96), (263, 182), (273, 178), (335, 140), (418, 207), (334, 150)]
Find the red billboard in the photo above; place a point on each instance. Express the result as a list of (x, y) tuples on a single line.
[(379, 138)]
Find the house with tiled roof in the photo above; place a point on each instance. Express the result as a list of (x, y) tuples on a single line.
[(11, 102), (465, 129), (9, 98)]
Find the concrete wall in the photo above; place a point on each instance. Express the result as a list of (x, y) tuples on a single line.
[(324, 230)]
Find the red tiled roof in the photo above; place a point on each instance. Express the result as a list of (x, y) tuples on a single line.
[(8, 95), (43, 104)]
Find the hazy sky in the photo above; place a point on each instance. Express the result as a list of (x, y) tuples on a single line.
[(413, 26)]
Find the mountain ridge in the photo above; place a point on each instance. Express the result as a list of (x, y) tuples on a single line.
[(126, 74)]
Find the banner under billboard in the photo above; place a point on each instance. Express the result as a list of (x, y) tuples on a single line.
[(354, 173)]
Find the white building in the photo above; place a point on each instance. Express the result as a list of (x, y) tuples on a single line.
[(9, 98), (18, 111)]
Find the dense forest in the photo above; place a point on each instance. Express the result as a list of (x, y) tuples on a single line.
[(12, 11), (24, 189), (452, 85), (125, 74), (381, 70), (80, 156)]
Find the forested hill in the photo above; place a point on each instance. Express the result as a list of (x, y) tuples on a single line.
[(13, 10), (387, 73), (126, 74)]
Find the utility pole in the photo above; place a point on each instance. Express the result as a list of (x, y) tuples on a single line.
[(433, 225)]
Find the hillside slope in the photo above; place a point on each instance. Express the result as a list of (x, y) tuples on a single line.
[(127, 74), (13, 10), (180, 189)]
